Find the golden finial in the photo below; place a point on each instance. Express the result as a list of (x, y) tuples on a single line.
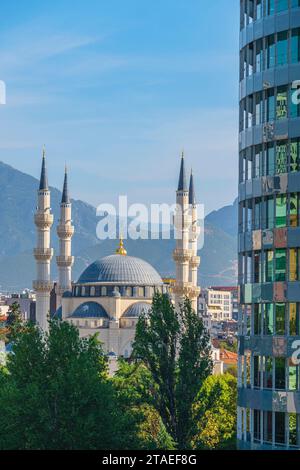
[(121, 249)]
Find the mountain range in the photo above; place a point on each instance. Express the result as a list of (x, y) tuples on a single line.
[(17, 238)]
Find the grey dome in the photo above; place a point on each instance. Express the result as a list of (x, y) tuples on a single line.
[(89, 310), (135, 310), (120, 269)]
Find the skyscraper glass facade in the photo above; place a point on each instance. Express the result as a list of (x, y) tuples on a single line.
[(269, 225)]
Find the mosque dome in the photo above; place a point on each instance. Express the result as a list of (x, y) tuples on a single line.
[(135, 310), (121, 269), (90, 310)]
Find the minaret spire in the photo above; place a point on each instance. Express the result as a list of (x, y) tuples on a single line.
[(65, 194), (43, 252), (192, 196), (65, 231), (182, 182), (44, 176)]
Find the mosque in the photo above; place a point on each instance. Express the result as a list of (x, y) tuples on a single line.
[(112, 292)]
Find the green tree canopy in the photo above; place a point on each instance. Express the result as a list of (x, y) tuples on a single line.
[(215, 413), (175, 348), (56, 394)]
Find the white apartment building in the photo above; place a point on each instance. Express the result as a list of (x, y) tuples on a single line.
[(219, 305)]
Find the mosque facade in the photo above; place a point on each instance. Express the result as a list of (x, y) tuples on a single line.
[(113, 291)]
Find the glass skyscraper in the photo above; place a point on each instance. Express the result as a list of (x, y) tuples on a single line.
[(269, 225)]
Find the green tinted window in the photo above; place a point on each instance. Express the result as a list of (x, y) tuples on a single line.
[(281, 211), (280, 265)]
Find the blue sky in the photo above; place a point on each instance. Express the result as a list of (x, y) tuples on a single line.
[(116, 89)]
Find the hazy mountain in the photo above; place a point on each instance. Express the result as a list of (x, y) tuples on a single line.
[(17, 237)]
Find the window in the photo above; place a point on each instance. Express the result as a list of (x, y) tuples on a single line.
[(281, 211), (295, 46), (294, 264), (257, 268), (270, 106), (293, 376), (259, 60), (268, 372), (129, 291), (271, 51), (259, 108), (282, 48), (293, 319), (280, 319), (282, 5), (257, 162), (257, 425), (103, 291), (256, 365), (269, 319), (282, 103), (257, 319), (270, 213), (294, 155), (92, 291), (280, 265), (270, 159), (294, 209), (270, 7), (280, 428), (281, 158), (269, 266), (280, 373), (268, 426)]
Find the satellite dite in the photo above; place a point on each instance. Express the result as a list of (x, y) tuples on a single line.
[(2, 92)]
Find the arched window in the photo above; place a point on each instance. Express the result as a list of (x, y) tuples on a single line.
[(83, 290), (92, 291), (103, 291), (141, 292), (129, 291)]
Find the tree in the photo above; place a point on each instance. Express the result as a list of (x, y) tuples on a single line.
[(215, 413), (175, 348), (13, 322), (57, 394), (136, 394)]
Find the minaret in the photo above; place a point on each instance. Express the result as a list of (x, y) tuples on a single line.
[(194, 234), (182, 253), (43, 220), (65, 232)]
